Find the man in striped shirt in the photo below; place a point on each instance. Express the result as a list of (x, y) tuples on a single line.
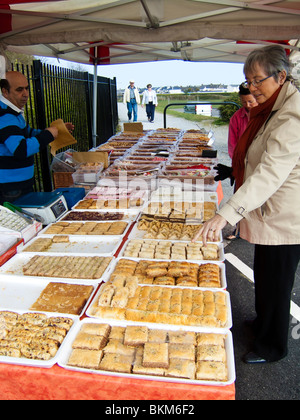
[(18, 142)]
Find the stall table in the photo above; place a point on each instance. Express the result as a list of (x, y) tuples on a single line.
[(28, 383), (31, 383)]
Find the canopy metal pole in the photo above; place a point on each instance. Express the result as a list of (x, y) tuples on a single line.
[(95, 100)]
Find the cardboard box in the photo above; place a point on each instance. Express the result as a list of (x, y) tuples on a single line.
[(92, 157), (135, 127)]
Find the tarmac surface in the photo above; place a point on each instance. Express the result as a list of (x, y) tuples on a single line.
[(273, 381)]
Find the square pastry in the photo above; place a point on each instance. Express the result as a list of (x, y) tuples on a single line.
[(88, 359), (181, 369), (156, 355), (135, 336), (211, 371)]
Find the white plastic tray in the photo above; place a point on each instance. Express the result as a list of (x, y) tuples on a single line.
[(64, 357), (140, 234), (83, 245), (222, 266), (20, 295), (14, 269), (41, 363), (228, 325), (79, 237), (129, 216), (219, 244), (169, 193)]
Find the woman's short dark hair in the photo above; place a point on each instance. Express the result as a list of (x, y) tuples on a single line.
[(272, 59), (243, 90), (4, 85)]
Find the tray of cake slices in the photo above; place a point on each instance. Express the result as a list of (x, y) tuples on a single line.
[(37, 295), (68, 268), (150, 352), (103, 229), (33, 338), (173, 250), (164, 292), (72, 244)]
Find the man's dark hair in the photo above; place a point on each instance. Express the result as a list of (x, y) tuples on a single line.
[(4, 85)]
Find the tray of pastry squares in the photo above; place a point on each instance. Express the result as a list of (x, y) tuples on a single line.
[(150, 352), (75, 245), (105, 229), (173, 250), (57, 267), (171, 273), (38, 295), (125, 297), (33, 338)]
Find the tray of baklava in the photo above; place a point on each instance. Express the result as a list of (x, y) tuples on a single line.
[(133, 293), (38, 295), (87, 228), (173, 250), (150, 352), (72, 244), (166, 231), (33, 338), (68, 268)]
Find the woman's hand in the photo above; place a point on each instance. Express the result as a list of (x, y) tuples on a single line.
[(211, 230)]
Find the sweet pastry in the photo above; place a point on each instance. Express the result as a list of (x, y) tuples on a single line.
[(135, 336), (89, 341), (156, 355), (88, 359), (211, 371), (181, 368)]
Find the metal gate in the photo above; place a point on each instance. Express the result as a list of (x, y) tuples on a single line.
[(57, 92)]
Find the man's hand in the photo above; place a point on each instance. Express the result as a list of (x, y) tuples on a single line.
[(70, 127)]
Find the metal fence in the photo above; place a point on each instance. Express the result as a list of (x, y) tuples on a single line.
[(57, 92)]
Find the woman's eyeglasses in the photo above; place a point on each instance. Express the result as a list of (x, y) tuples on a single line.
[(256, 83)]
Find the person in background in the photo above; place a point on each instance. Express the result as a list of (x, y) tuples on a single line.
[(240, 118), (237, 126), (132, 99), (150, 100), (18, 142), (266, 168)]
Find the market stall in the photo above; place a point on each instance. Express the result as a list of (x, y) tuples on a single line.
[(112, 300)]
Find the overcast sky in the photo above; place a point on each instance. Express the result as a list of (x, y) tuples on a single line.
[(168, 73)]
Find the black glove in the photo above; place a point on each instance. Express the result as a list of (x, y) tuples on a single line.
[(224, 172)]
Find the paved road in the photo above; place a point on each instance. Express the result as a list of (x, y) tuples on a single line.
[(276, 381)]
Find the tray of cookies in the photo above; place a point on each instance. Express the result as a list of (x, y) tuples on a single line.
[(169, 250), (32, 338), (54, 297), (150, 352), (72, 244), (62, 268), (123, 297), (87, 228)]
